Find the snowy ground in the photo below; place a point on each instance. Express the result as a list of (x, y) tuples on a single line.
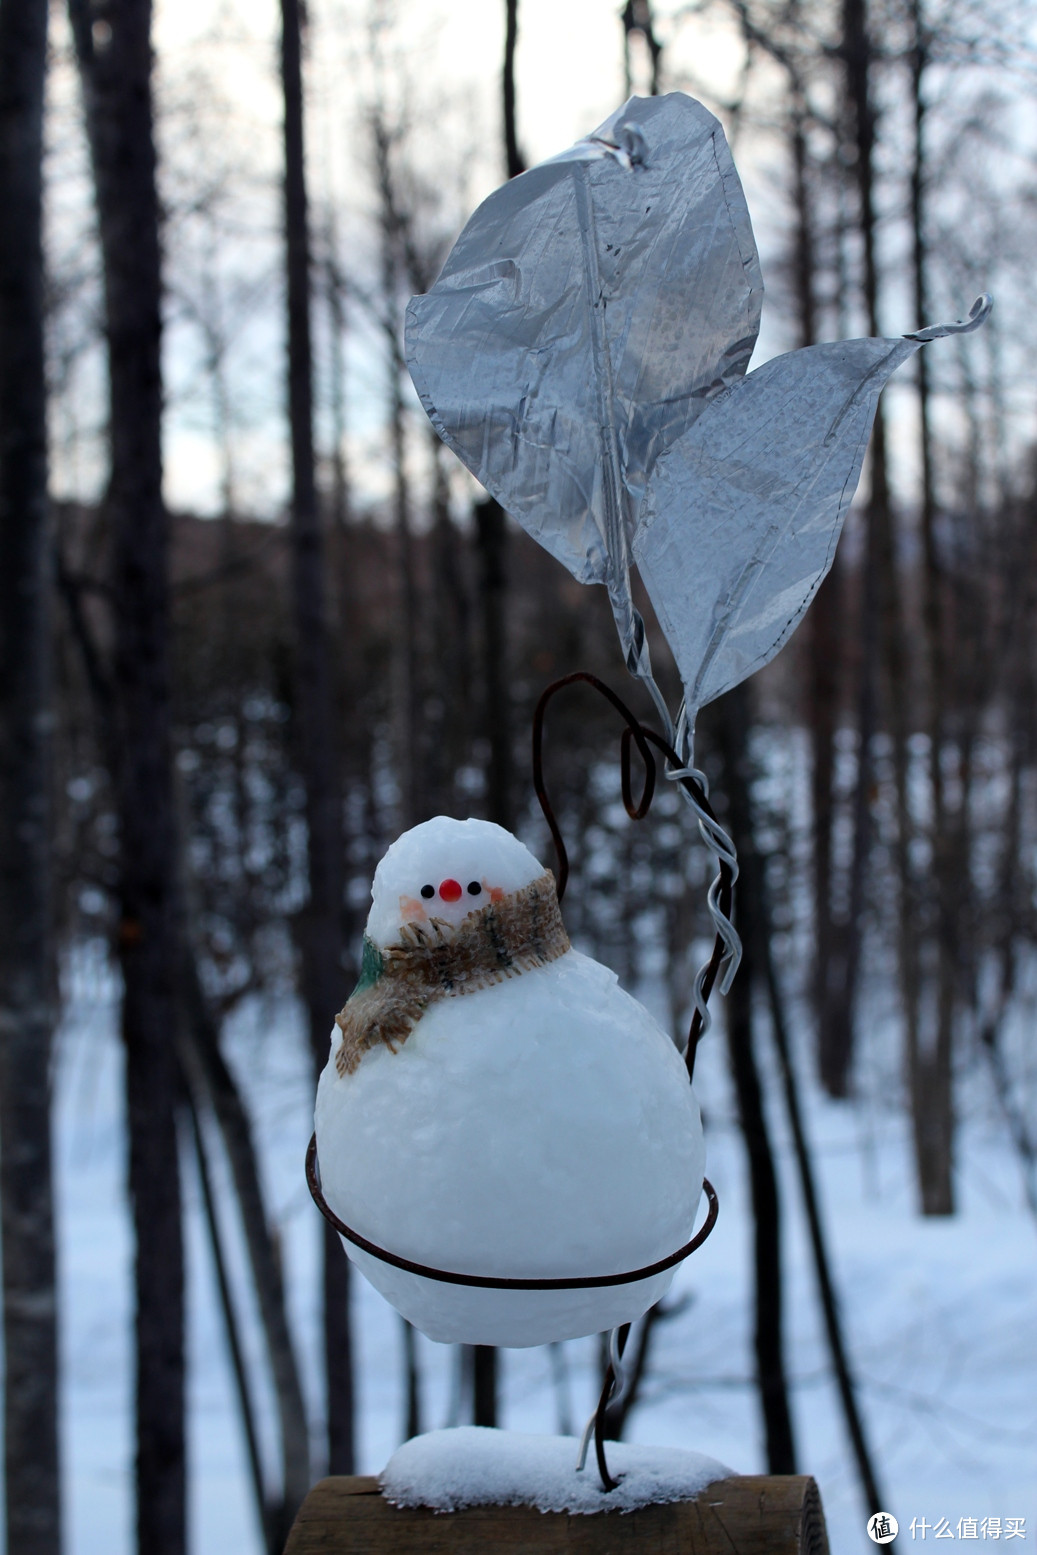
[(940, 1315)]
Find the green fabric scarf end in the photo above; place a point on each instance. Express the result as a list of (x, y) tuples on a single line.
[(371, 967)]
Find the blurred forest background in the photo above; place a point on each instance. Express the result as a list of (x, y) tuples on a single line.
[(255, 619)]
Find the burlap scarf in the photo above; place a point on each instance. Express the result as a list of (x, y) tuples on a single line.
[(435, 960)]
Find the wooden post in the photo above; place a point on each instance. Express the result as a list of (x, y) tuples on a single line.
[(753, 1514)]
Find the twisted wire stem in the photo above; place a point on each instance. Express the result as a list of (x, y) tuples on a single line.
[(721, 846)]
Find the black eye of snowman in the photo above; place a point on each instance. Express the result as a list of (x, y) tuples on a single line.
[(427, 891), (474, 888)]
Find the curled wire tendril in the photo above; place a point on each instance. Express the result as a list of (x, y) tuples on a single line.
[(694, 788)]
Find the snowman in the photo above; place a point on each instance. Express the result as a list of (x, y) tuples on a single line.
[(495, 1104)]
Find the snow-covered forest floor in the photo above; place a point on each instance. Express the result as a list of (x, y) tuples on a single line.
[(939, 1314)]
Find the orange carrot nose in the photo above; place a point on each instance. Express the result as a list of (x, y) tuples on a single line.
[(450, 891)]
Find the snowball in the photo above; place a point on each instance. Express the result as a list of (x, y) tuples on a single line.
[(541, 1127), (476, 1466), (468, 852)]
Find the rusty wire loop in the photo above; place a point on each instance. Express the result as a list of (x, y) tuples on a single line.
[(502, 1282), (727, 949), (617, 1339)]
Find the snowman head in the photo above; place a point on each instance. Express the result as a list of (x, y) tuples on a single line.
[(445, 869)]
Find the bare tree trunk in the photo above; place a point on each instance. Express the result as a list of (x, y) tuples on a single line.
[(232, 1332), (449, 732), (211, 1083), (116, 72), (882, 628), (636, 17), (484, 1385), (314, 719), (412, 1381), (754, 879), (27, 993), (929, 1062), (830, 983), (1012, 916), (397, 249), (334, 288), (491, 542), (411, 724), (731, 723), (515, 160)]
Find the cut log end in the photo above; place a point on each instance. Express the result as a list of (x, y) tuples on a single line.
[(753, 1514)]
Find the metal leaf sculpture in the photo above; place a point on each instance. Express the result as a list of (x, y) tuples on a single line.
[(584, 353), (588, 312), (764, 478)]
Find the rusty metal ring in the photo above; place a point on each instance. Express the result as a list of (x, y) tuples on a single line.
[(492, 1282)]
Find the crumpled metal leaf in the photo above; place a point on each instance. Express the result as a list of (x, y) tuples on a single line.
[(584, 353), (589, 312), (743, 513)]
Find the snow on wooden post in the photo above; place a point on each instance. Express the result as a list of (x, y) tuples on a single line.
[(754, 1514)]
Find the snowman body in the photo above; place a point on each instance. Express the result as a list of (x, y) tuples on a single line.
[(540, 1126)]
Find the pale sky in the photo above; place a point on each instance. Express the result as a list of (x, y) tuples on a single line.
[(221, 119), (569, 70)]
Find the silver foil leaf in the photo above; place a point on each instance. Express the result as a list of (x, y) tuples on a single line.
[(743, 513), (587, 314)]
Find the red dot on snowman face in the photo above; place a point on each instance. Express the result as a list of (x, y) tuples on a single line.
[(450, 891)]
